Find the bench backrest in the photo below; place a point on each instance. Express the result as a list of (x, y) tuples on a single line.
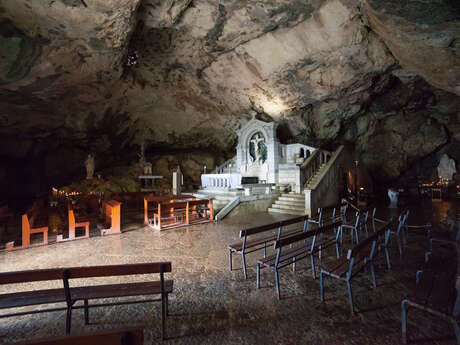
[(71, 219), (31, 276), (199, 202), (276, 225), (161, 198), (117, 270), (364, 244), (172, 205), (304, 235)]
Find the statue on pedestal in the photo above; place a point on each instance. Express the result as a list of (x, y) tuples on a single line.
[(89, 164)]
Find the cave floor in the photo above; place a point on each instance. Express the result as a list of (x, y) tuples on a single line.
[(213, 305)]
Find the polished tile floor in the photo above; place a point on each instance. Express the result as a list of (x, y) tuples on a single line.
[(213, 305)]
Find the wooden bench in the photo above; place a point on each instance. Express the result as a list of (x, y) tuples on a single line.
[(246, 246), (286, 256), (359, 257), (155, 200), (75, 221), (71, 295), (127, 336), (112, 218), (436, 292), (175, 214)]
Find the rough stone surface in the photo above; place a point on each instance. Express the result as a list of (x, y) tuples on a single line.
[(183, 76)]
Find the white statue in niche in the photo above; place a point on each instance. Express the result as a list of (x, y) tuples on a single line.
[(89, 164), (446, 167), (257, 149), (393, 195)]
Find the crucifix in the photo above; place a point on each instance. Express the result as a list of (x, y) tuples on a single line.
[(257, 139)]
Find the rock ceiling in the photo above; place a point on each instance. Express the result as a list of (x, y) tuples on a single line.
[(104, 75)]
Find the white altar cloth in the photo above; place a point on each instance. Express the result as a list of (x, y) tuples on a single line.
[(221, 180)]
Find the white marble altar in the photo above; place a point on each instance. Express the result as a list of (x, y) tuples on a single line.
[(221, 180)]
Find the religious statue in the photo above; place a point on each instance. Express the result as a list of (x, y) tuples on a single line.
[(446, 168), (393, 195), (177, 182), (89, 164)]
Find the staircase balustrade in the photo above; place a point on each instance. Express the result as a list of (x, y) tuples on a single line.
[(225, 167), (326, 186)]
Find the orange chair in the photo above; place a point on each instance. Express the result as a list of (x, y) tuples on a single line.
[(27, 230)]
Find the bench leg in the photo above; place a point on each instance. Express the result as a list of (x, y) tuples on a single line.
[(230, 259), (371, 264), (404, 321), (258, 275), (167, 305), (321, 286), (163, 316), (387, 254), (313, 271), (68, 320), (277, 282), (86, 312), (350, 295), (456, 329), (243, 261)]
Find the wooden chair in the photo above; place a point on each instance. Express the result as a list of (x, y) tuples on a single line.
[(38, 227), (112, 217), (74, 223)]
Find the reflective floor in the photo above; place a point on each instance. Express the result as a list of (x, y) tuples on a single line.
[(213, 305)]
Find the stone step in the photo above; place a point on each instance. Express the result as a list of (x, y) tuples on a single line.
[(291, 198), (220, 191), (293, 212), (290, 203), (289, 207)]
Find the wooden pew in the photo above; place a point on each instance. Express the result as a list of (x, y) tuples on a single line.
[(155, 200), (199, 211), (437, 292), (287, 255), (126, 336), (359, 257), (246, 246), (75, 222), (112, 218), (86, 292), (175, 214)]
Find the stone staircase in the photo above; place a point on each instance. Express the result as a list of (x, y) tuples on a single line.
[(315, 177), (289, 203)]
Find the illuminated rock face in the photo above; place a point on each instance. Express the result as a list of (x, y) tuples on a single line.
[(104, 76)]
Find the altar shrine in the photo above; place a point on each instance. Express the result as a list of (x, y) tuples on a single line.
[(261, 158)]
